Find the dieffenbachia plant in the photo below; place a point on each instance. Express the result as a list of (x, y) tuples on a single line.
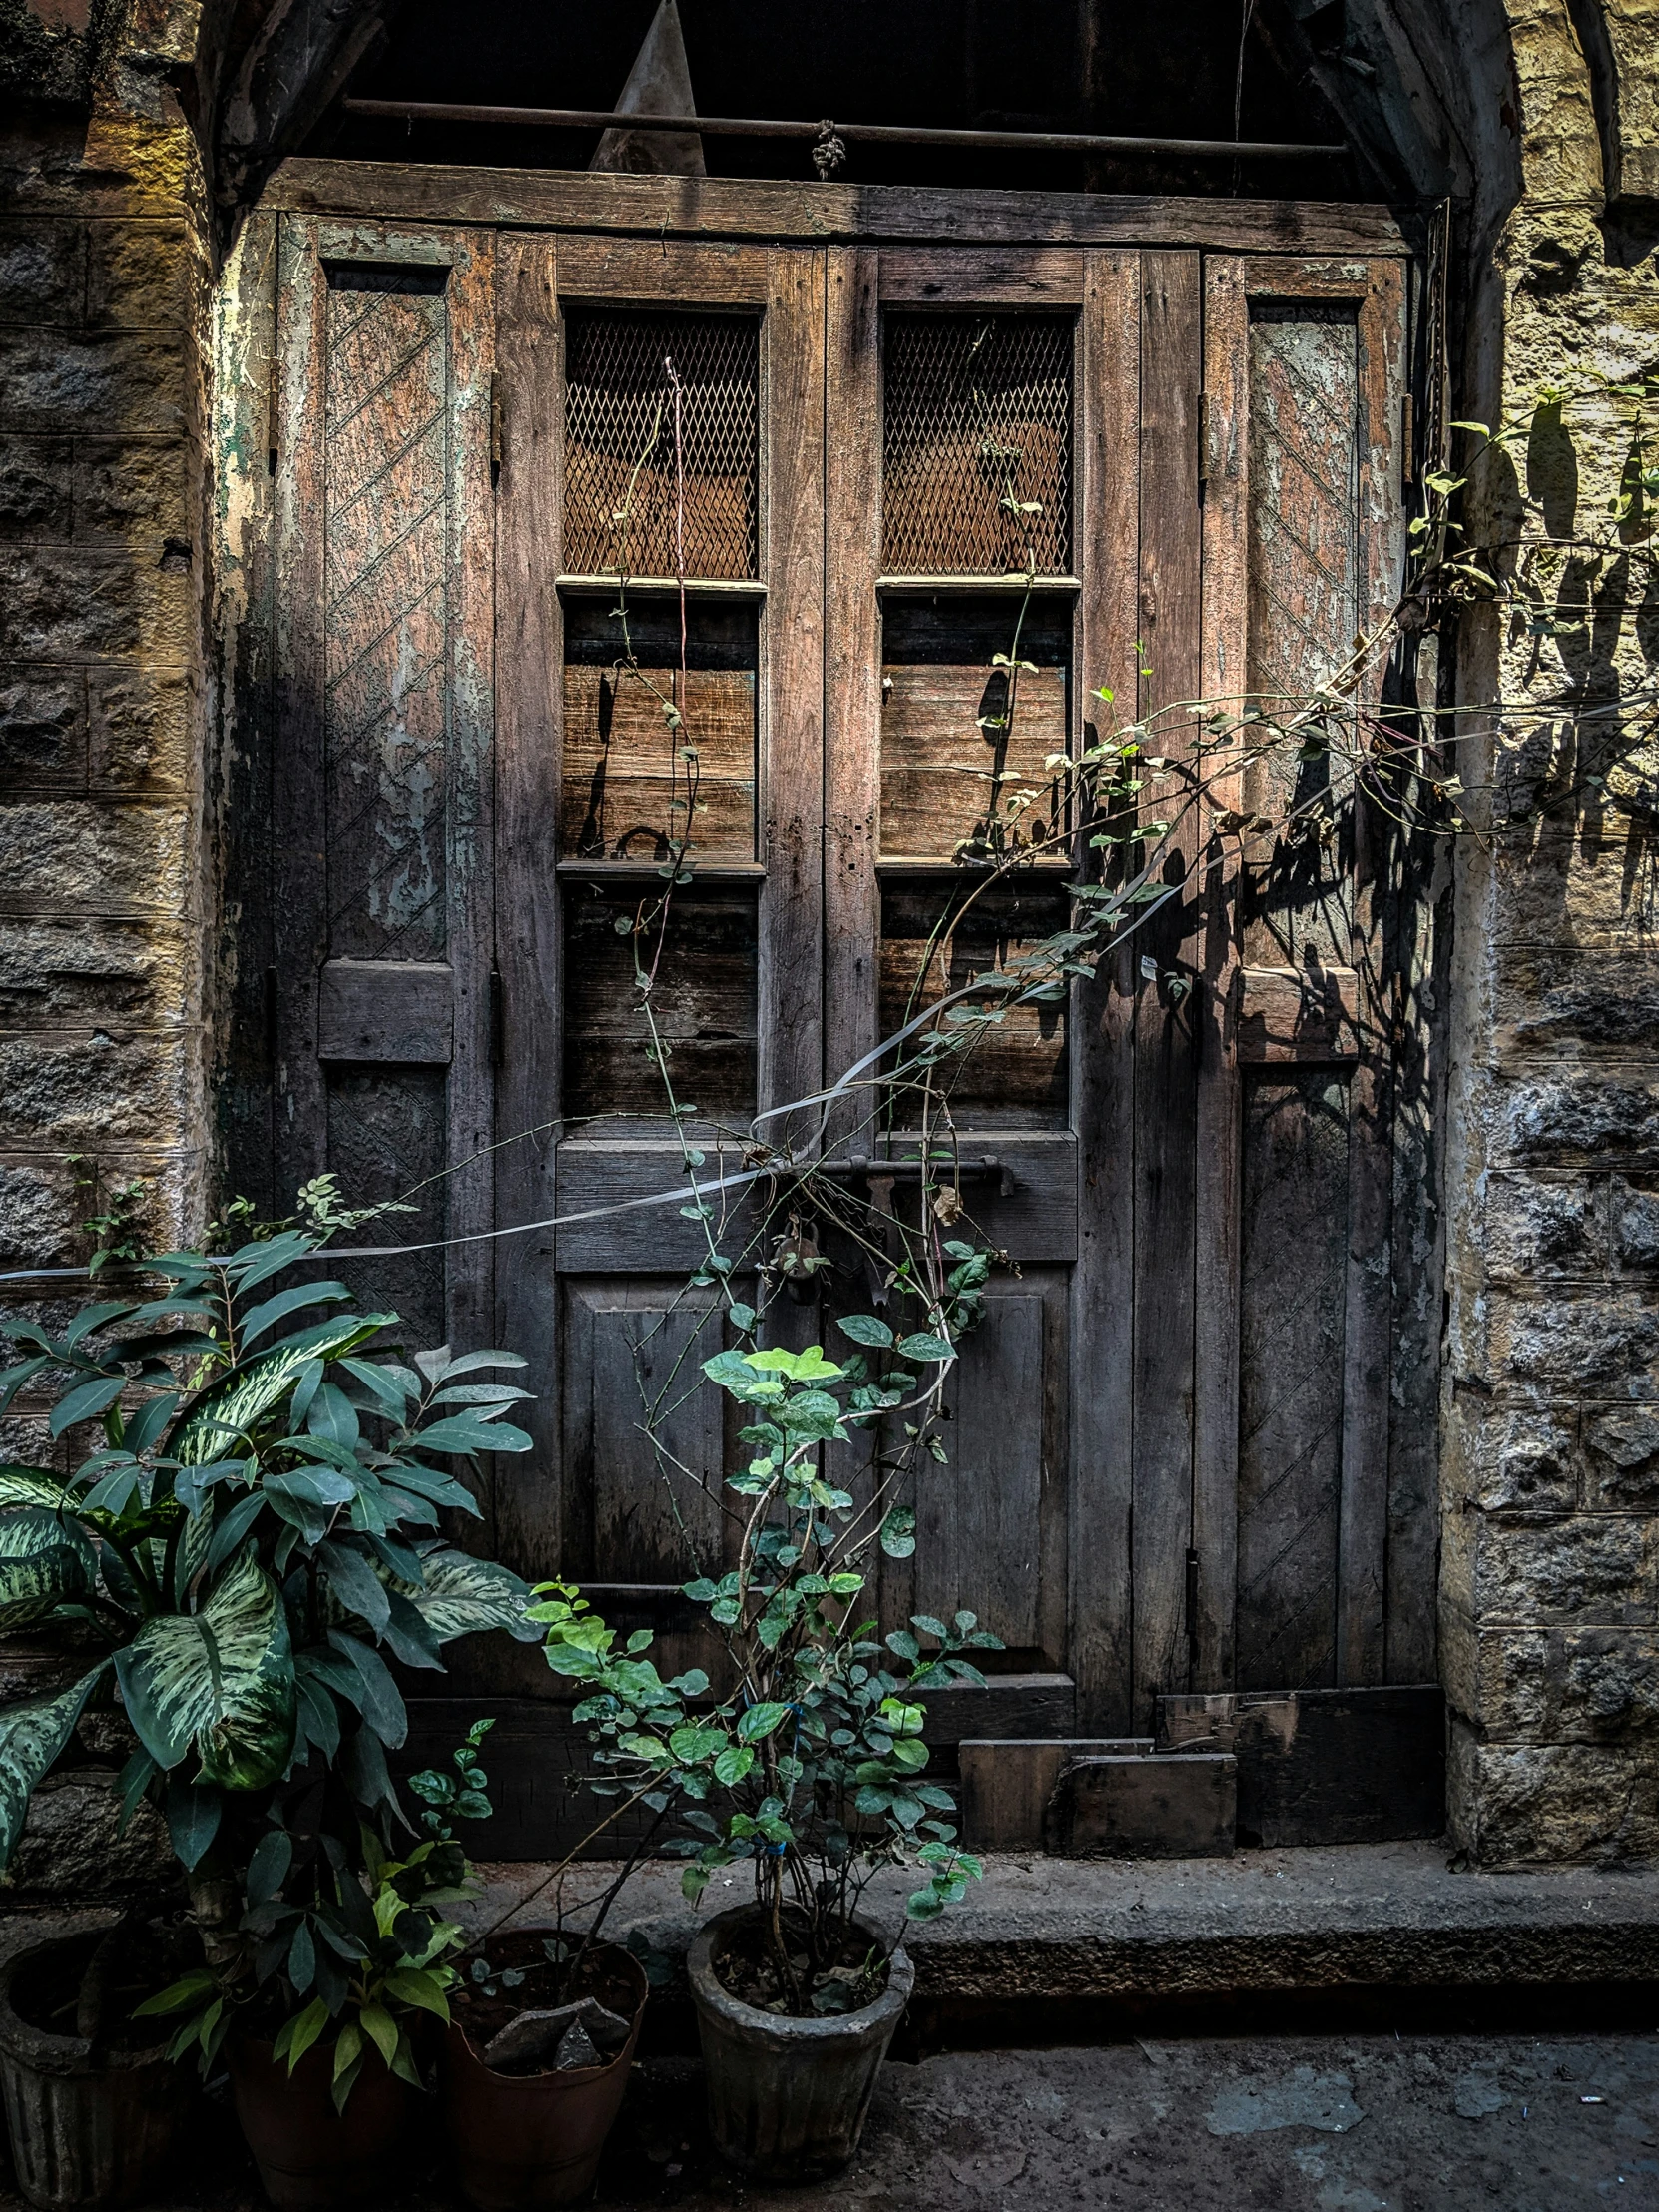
[(258, 1526)]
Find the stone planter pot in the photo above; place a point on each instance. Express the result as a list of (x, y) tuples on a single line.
[(787, 2098), (307, 2153), (523, 2142), (91, 2127)]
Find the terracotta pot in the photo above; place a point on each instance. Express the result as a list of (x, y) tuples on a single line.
[(90, 2126), (787, 2098), (307, 2152), (523, 2141)]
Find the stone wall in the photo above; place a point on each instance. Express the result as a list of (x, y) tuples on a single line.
[(103, 296), (108, 891), (1550, 1463)]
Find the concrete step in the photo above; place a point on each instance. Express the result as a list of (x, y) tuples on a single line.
[(1343, 1922)]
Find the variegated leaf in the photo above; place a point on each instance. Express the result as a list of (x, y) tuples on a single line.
[(215, 1423), (219, 1681), (32, 1486), (464, 1596), (44, 1563), (31, 1737)]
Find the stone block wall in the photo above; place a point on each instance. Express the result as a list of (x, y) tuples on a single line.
[(1549, 1583), (103, 296)]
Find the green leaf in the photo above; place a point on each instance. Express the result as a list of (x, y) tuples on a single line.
[(732, 1372), (801, 1366), (86, 1401), (35, 1585), (760, 1721), (355, 1583), (269, 1865), (379, 1699), (865, 1329), (31, 1737), (259, 1318), (733, 1764), (898, 1533), (32, 1486), (926, 1346), (301, 1968), (232, 1527), (382, 2029), (809, 1413), (464, 1596), (465, 1433), (221, 1681), (191, 1990), (333, 1417), (412, 1985), (232, 1404), (192, 1818), (305, 2029)]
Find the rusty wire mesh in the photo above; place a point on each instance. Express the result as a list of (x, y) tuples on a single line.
[(976, 444), (620, 465)]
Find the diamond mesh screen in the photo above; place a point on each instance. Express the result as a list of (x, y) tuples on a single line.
[(977, 445), (622, 474)]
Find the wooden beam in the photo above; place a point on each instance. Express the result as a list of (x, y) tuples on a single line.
[(713, 207)]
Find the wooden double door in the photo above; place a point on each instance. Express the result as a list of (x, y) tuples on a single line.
[(835, 478)]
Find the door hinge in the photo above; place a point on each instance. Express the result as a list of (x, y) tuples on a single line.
[(495, 425), (498, 1025)]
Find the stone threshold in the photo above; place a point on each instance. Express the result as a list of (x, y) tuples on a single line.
[(1362, 1916)]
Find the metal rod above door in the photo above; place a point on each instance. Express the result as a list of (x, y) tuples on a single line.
[(885, 133)]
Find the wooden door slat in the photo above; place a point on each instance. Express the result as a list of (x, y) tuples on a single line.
[(852, 670), (1223, 647), (1101, 1506), (529, 1493), (1166, 1024), (792, 905)]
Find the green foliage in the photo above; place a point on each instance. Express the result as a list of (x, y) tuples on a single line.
[(813, 1770), (357, 1955), (253, 1533)]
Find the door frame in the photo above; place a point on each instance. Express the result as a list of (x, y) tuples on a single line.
[(1177, 405)]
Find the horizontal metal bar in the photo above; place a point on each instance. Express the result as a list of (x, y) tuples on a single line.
[(695, 587), (646, 871), (872, 134), (1017, 580)]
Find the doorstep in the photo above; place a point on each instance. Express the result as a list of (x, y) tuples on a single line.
[(1350, 1918)]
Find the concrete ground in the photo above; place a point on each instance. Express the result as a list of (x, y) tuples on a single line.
[(1333, 2124), (1298, 2124)]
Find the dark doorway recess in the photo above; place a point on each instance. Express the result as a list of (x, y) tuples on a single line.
[(1213, 69)]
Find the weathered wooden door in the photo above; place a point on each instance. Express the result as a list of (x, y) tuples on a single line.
[(837, 478)]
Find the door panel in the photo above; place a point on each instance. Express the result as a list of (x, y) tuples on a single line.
[(381, 771), (662, 416), (1302, 534)]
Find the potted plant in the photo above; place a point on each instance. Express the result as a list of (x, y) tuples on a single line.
[(543, 2028), (324, 2088), (257, 1528), (811, 1769), (92, 2103)]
